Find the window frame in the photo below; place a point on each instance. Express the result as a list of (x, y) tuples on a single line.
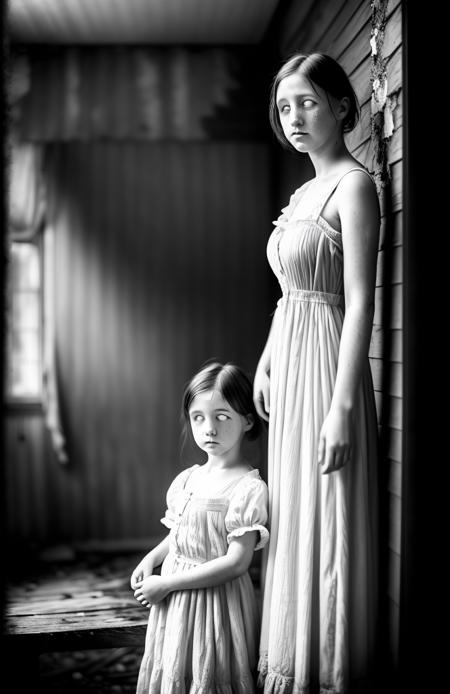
[(25, 402)]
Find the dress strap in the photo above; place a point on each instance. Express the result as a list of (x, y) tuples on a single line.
[(335, 185)]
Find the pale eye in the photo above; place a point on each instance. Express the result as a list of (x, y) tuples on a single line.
[(222, 417), (197, 418), (308, 103), (284, 109)]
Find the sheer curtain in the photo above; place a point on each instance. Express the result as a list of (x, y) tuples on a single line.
[(26, 197)]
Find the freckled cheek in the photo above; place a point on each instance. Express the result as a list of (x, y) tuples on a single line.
[(225, 430), (314, 121)]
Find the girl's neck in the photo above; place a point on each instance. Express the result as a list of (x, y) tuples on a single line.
[(328, 161), (209, 480), (223, 463)]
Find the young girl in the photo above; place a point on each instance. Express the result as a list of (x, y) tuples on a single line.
[(203, 628), (313, 385)]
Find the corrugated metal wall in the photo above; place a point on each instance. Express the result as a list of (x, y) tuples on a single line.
[(344, 30)]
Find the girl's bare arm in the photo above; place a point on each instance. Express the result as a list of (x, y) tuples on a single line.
[(360, 223), (212, 573), (154, 558)]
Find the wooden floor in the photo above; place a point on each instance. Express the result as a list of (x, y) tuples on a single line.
[(74, 625), (88, 604)]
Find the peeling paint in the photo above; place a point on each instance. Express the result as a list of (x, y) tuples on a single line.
[(373, 42), (382, 103), (390, 106)]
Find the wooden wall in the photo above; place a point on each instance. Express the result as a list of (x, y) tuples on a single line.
[(344, 29), (160, 264)]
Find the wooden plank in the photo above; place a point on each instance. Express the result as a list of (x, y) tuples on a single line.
[(351, 20), (360, 143), (395, 296), (306, 30), (395, 261), (395, 410), (392, 6), (395, 142), (395, 478), (81, 603), (83, 621), (361, 81), (393, 32), (395, 445), (394, 69), (394, 576), (356, 51), (395, 508), (396, 413), (349, 25), (396, 376), (395, 237), (377, 344), (38, 638), (60, 588), (363, 151), (58, 613), (328, 27)]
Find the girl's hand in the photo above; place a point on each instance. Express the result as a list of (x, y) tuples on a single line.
[(261, 393), (334, 449), (142, 570), (152, 590)]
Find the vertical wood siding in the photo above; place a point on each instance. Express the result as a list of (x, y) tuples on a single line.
[(160, 266), (343, 30)]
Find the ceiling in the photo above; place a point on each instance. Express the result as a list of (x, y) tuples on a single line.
[(96, 22)]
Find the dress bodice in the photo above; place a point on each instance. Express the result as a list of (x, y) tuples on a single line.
[(304, 250)]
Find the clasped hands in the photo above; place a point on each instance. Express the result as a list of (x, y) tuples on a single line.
[(151, 590), (148, 589)]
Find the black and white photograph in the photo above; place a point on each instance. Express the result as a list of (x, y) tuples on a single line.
[(218, 424)]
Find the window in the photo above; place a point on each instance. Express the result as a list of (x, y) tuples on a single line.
[(24, 321)]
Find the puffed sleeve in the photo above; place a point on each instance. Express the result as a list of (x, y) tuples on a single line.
[(172, 496), (248, 510)]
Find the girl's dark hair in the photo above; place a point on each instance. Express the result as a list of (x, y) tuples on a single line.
[(322, 71), (234, 386)]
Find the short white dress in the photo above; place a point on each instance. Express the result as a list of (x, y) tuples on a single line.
[(205, 641)]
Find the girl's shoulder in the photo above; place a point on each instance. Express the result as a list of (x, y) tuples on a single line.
[(357, 187), (354, 174), (250, 486), (179, 482)]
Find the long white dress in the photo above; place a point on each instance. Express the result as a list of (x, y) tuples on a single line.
[(205, 641), (320, 595)]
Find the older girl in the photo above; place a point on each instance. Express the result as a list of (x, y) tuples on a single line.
[(313, 384)]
